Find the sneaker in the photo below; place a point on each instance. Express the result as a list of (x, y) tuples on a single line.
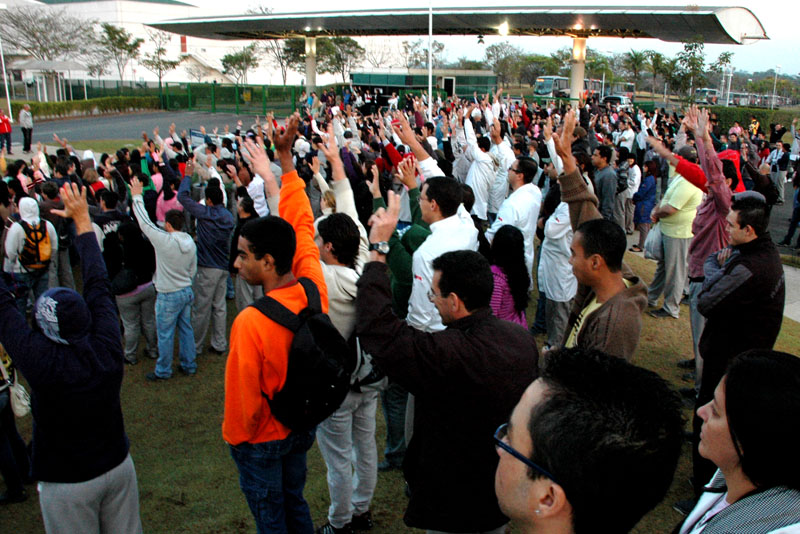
[(184, 372), (12, 498), (686, 364), (152, 377), (660, 314), (362, 521), (684, 507), (327, 528), (130, 361), (212, 350)]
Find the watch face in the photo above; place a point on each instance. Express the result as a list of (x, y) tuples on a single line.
[(383, 248)]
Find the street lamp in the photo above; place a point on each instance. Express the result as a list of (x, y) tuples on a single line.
[(775, 86), (5, 76)]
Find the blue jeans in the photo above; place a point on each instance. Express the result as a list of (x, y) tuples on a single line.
[(175, 309), (38, 282), (394, 399), (272, 476)]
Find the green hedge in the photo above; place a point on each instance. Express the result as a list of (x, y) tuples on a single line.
[(93, 106), (765, 116)]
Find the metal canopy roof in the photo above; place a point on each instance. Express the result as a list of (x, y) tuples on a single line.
[(724, 25)]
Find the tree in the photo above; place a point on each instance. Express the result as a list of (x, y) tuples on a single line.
[(295, 50), (503, 59), (414, 54), (120, 45), (157, 62), (468, 64), (377, 54), (196, 71), (47, 34), (534, 65), (655, 65), (339, 55), (635, 63), (238, 63), (560, 62), (276, 50), (691, 62)]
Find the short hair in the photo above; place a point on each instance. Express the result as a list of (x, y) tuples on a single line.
[(247, 205), (446, 192), (430, 127), (49, 189), (109, 198), (467, 274), (751, 211), (62, 167), (484, 143), (729, 171), (603, 427), (604, 151), (762, 404), (274, 236), (528, 167), (214, 194), (340, 231), (468, 197), (606, 238), (176, 219)]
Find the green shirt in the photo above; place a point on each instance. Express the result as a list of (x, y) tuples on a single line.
[(684, 197)]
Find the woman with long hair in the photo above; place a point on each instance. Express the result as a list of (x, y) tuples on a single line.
[(511, 277), (645, 200), (750, 433)]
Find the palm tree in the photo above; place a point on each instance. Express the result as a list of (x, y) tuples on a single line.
[(635, 62), (655, 66)]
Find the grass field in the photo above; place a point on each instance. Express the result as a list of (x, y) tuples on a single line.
[(188, 482)]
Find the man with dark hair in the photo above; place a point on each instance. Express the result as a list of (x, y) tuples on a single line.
[(451, 229), (521, 208), (607, 309), (745, 277), (214, 227), (65, 228), (245, 293), (464, 379), (176, 265), (605, 181), (109, 219), (591, 426), (270, 457)]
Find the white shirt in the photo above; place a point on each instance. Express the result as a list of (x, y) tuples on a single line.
[(256, 191), (555, 276), (481, 173), (520, 209), (634, 180), (457, 232), (626, 139), (505, 158)]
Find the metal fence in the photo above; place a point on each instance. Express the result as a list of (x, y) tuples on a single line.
[(241, 99)]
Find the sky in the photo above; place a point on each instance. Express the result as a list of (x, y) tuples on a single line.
[(778, 18)]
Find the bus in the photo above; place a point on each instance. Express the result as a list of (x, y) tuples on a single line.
[(706, 96), (621, 88), (551, 87), (559, 87)]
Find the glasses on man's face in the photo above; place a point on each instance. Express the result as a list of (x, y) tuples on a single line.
[(500, 441), (512, 169), (432, 296)]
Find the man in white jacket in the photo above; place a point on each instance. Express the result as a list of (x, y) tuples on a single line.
[(176, 265), (482, 171)]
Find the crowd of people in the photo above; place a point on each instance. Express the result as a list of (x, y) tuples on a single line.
[(408, 238)]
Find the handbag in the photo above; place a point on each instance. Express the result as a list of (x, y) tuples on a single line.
[(653, 245), (20, 400)]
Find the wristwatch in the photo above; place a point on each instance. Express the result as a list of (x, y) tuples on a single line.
[(382, 247)]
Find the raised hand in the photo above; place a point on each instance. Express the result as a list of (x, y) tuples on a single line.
[(384, 221), (406, 170), (283, 142), (75, 207), (563, 141), (258, 157), (136, 186)]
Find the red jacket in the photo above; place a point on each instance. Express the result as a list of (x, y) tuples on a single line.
[(5, 125)]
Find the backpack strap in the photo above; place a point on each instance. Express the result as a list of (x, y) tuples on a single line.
[(278, 313), (312, 294)]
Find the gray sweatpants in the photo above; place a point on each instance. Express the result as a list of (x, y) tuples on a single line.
[(346, 441), (619, 210), (245, 294), (556, 318), (210, 307), (138, 314), (698, 321), (670, 277), (107, 504)]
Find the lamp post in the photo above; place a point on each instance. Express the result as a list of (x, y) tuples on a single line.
[(775, 86), (5, 76)]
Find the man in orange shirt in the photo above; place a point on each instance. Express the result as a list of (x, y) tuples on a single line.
[(272, 252)]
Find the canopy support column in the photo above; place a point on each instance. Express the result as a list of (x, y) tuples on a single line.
[(578, 68), (311, 64)]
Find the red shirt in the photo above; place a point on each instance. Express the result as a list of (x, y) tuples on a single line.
[(5, 125)]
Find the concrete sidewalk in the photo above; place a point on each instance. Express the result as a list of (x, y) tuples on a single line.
[(791, 308)]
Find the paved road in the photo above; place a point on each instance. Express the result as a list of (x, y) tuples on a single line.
[(129, 126)]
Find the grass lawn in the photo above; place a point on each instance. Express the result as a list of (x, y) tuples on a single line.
[(188, 482), (109, 146)]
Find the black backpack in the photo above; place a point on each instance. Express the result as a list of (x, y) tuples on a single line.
[(320, 363)]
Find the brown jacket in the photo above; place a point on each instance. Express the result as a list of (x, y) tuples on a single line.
[(613, 328)]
